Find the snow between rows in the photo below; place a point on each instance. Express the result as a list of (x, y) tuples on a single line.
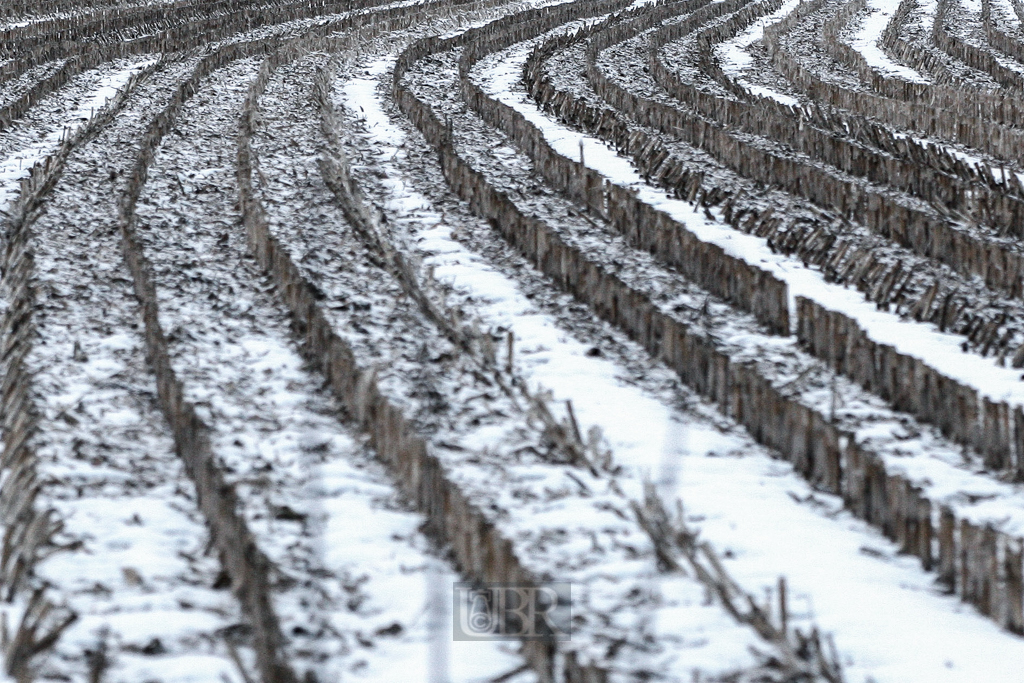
[(358, 556), (709, 639), (17, 166), (920, 340), (735, 60), (648, 435), (137, 571), (866, 38)]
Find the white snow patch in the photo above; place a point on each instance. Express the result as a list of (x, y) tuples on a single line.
[(387, 557), (865, 41), (1008, 13), (925, 16), (735, 60)]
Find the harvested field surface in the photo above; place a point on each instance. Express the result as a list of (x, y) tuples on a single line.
[(712, 310)]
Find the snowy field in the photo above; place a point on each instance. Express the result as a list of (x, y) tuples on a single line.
[(707, 310)]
